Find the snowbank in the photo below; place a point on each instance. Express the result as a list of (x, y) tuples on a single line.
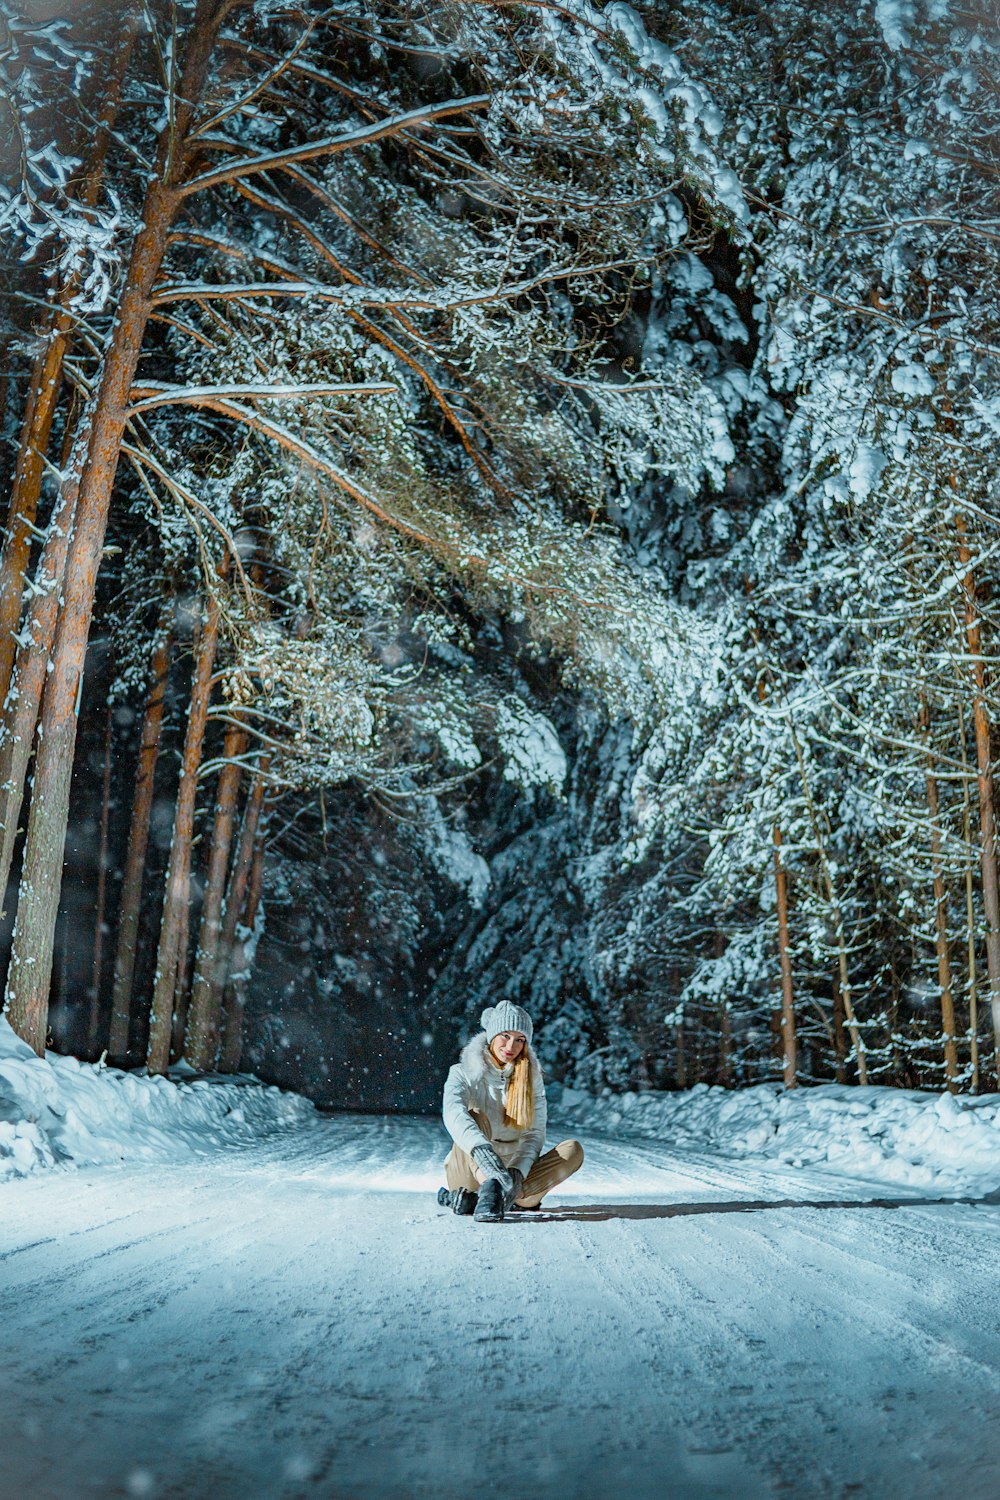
[(936, 1143), (58, 1111)]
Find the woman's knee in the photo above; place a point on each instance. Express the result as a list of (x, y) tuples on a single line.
[(572, 1154)]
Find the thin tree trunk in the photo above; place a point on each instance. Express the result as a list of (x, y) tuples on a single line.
[(725, 1046), (235, 901), (987, 820), (176, 894), (25, 696), (845, 984), (181, 986), (31, 956), (63, 925), (102, 880), (970, 912), (899, 1062), (202, 1039), (46, 377), (940, 911), (789, 1037), (135, 863), (838, 919), (236, 993)]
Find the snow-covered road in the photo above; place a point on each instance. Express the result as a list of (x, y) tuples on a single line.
[(299, 1319)]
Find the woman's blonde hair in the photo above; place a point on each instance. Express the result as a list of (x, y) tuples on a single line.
[(519, 1105)]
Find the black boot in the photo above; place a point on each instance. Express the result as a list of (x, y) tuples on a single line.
[(459, 1200), (489, 1209)]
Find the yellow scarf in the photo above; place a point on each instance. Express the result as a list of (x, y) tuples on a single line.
[(519, 1104)]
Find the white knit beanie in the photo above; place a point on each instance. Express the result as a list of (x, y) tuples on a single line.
[(505, 1017)]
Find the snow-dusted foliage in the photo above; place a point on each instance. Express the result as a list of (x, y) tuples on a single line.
[(583, 419), (847, 333), (46, 213)]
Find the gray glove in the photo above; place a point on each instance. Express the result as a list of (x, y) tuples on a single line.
[(517, 1178), (487, 1161)]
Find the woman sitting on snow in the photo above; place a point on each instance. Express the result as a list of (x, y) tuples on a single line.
[(494, 1110)]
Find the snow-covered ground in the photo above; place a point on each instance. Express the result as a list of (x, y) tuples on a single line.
[(60, 1112), (288, 1314), (936, 1142)]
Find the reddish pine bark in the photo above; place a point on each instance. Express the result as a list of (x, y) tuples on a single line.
[(176, 893), (142, 806), (38, 899), (202, 1039), (21, 709), (970, 914), (102, 881), (46, 379), (243, 864), (178, 1020), (30, 969), (232, 1050)]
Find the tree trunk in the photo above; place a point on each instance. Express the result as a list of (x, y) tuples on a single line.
[(179, 1008), (987, 820), (725, 1046), (970, 913), (25, 695), (236, 993), (102, 880), (940, 911), (176, 893), (31, 956), (243, 866), (202, 1039), (789, 1038), (135, 863), (838, 917), (839, 1042), (46, 377)]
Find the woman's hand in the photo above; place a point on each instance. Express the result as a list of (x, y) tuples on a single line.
[(490, 1165)]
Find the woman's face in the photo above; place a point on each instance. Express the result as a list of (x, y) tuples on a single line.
[(507, 1045)]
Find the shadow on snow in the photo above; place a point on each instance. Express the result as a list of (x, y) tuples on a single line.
[(594, 1213)]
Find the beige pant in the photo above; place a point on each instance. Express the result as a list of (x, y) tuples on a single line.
[(551, 1168)]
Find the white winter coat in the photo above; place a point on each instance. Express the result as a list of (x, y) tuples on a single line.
[(474, 1083)]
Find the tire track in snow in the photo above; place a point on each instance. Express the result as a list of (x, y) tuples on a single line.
[(852, 1346), (309, 1323)]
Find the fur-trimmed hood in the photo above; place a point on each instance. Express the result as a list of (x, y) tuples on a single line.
[(474, 1095)]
